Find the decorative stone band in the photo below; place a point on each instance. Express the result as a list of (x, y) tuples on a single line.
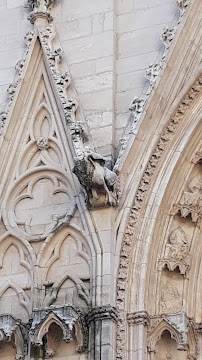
[(128, 241), (138, 318), (102, 313)]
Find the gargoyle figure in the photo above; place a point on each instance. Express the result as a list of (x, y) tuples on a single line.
[(96, 179)]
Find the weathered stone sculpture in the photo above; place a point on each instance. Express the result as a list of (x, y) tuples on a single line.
[(100, 183)]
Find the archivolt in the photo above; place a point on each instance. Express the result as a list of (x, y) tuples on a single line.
[(144, 186)]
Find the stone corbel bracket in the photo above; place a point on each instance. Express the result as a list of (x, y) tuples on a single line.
[(180, 327), (11, 327), (69, 319)]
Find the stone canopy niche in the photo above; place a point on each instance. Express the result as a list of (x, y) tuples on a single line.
[(60, 333), (166, 349)]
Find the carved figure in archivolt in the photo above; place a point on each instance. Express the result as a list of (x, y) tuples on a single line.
[(176, 252), (170, 298), (179, 247), (95, 177), (191, 201)]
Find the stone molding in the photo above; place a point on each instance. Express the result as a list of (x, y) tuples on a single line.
[(100, 313), (140, 196)]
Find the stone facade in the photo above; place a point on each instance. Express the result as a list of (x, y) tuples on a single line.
[(101, 180)]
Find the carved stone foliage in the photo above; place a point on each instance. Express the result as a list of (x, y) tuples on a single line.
[(152, 73), (176, 252), (69, 319), (12, 330), (168, 35), (191, 201), (182, 4), (129, 236), (77, 128), (100, 183)]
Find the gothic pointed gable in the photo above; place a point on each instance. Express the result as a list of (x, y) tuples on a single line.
[(36, 163), (39, 197)]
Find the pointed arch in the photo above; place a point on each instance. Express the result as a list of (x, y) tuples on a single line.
[(140, 249)]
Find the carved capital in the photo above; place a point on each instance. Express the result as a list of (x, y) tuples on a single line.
[(138, 318), (102, 313)]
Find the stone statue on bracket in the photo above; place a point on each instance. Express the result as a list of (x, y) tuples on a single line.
[(100, 183)]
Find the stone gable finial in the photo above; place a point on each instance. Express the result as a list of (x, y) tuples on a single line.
[(40, 11)]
